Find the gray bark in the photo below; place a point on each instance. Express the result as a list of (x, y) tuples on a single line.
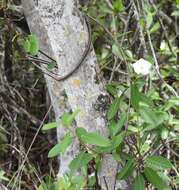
[(63, 35)]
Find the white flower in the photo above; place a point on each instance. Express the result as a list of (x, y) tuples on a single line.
[(142, 67)]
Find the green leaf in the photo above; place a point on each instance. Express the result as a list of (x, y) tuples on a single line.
[(2, 177), (129, 54), (92, 138), (96, 139), (91, 181), (154, 179), (31, 45), (116, 127), (113, 25), (138, 98), (61, 147), (47, 184), (105, 9), (158, 163), (177, 2), (118, 5), (135, 96), (142, 22), (117, 51), (26, 45), (34, 44), (175, 13), (117, 140), (112, 89), (148, 115), (78, 182), (139, 183), (174, 122), (80, 161), (173, 102), (68, 118), (149, 19), (80, 132), (153, 118), (49, 126), (165, 177), (164, 133), (63, 183), (126, 170), (155, 27), (101, 150), (162, 117), (113, 109), (51, 65)]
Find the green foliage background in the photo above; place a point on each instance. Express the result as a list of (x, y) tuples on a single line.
[(143, 114)]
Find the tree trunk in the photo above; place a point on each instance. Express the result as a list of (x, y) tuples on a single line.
[(63, 35)]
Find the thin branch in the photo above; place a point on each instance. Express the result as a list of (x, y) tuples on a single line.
[(157, 66), (21, 168)]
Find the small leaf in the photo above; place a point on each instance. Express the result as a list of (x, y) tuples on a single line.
[(92, 181), (113, 23), (149, 19), (117, 51), (27, 45), (68, 118), (63, 183), (80, 161), (61, 147), (101, 150), (113, 109), (104, 53), (164, 133), (158, 162), (96, 139), (105, 9), (126, 170), (2, 177), (49, 126), (161, 117), (175, 13), (174, 122), (154, 179), (129, 54), (78, 182), (138, 98), (139, 183), (173, 102), (148, 115), (80, 132), (118, 6), (155, 27), (112, 89), (34, 44), (116, 127), (153, 118), (135, 96), (51, 65), (117, 140), (142, 22), (92, 138)]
